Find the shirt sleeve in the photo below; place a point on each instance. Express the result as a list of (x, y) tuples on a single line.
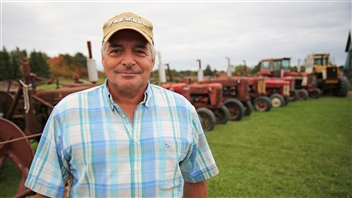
[(46, 171), (199, 165)]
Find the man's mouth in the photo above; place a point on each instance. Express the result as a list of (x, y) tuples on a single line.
[(127, 72)]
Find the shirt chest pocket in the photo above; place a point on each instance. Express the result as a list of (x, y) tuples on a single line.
[(171, 153)]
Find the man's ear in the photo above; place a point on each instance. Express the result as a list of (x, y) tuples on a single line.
[(153, 63)]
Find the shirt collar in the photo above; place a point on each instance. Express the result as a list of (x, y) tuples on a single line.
[(146, 101)]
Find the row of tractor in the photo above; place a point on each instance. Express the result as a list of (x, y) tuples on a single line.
[(218, 99)]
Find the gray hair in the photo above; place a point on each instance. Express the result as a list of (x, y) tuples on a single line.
[(152, 50)]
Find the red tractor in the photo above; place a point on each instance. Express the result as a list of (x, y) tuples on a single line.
[(258, 93), (235, 95), (303, 84), (207, 99), (278, 91)]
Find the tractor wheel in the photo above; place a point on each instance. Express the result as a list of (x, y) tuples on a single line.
[(343, 86), (236, 109), (221, 115), (286, 101), (207, 118), (248, 108), (277, 100), (302, 94), (18, 151), (315, 93), (314, 81), (262, 103), (293, 96)]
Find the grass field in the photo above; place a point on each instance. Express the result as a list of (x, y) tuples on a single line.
[(301, 150)]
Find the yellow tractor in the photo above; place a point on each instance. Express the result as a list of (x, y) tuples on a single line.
[(329, 78)]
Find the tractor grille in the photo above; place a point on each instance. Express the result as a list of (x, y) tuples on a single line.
[(219, 97), (331, 73), (286, 90), (261, 86), (292, 85)]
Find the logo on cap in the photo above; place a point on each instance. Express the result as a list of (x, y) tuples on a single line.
[(127, 19)]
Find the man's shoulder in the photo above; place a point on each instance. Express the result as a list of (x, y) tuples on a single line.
[(165, 96), (83, 95), (163, 91), (87, 91)]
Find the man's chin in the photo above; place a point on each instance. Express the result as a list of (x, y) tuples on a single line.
[(130, 86)]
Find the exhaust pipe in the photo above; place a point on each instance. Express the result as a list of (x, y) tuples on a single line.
[(92, 66)]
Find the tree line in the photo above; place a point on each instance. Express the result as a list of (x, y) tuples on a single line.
[(63, 66)]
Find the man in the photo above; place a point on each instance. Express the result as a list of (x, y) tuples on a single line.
[(127, 137)]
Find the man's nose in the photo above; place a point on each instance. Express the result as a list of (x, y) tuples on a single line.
[(128, 59)]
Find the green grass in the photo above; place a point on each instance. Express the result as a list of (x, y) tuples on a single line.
[(301, 150)]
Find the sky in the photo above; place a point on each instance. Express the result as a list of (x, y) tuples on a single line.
[(216, 32)]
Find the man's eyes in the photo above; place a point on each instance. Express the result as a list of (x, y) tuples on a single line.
[(115, 51), (140, 51), (137, 51)]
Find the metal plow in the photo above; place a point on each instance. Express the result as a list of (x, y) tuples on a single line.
[(15, 146)]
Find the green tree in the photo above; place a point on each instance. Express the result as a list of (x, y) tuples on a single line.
[(38, 64), (5, 65), (255, 70), (208, 71), (241, 70), (10, 64), (302, 69), (16, 63), (79, 60), (293, 69)]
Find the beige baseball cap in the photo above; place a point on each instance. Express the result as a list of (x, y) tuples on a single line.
[(128, 20)]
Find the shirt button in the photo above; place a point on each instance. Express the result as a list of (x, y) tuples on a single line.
[(136, 141), (136, 169)]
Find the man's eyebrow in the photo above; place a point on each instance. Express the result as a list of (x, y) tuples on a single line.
[(141, 46)]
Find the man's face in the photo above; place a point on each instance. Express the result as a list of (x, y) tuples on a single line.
[(127, 61)]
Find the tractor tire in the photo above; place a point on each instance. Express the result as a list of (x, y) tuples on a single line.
[(314, 81), (262, 103), (302, 94), (221, 115), (207, 118), (315, 94), (293, 96), (286, 101), (248, 108), (277, 100), (343, 86), (236, 109)]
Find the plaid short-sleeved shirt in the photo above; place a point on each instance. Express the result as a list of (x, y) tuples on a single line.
[(89, 139)]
